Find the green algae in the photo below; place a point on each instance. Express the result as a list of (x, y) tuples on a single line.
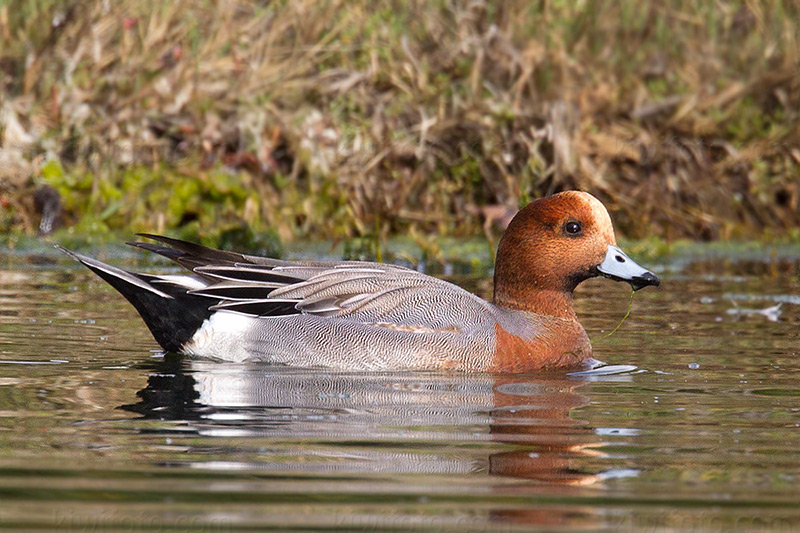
[(213, 207)]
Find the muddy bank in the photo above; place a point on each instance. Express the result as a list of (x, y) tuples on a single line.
[(348, 120)]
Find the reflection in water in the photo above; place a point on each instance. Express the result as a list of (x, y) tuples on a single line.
[(529, 414), (705, 439), (361, 424)]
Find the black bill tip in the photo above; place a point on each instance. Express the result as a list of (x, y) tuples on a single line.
[(645, 280)]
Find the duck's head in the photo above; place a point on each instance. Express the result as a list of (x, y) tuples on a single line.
[(551, 246)]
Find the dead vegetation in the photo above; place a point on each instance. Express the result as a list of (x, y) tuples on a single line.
[(340, 118)]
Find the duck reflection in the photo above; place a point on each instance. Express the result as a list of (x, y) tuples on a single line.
[(510, 426)]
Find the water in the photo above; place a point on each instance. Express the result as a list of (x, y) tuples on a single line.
[(100, 431)]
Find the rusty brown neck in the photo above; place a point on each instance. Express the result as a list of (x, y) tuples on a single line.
[(533, 287), (557, 303)]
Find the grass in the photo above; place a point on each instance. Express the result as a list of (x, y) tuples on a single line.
[(359, 120)]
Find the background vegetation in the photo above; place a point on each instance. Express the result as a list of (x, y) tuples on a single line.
[(341, 119)]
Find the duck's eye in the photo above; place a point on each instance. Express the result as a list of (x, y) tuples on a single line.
[(573, 229)]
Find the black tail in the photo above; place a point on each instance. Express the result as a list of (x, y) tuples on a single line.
[(172, 315)]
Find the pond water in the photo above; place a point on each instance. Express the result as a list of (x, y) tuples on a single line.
[(696, 425)]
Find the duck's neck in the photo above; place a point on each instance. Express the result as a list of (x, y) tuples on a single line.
[(557, 303), (540, 285)]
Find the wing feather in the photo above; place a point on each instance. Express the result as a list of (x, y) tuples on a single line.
[(369, 293)]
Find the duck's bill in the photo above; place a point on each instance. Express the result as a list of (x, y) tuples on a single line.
[(620, 267)]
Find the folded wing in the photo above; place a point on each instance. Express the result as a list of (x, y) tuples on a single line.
[(372, 293)]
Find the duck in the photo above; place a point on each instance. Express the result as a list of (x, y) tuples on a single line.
[(364, 316)]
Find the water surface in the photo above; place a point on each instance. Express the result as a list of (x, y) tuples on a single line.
[(100, 430)]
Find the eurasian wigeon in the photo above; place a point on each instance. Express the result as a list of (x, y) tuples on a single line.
[(373, 316)]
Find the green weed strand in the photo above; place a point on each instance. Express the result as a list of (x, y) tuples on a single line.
[(630, 306)]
